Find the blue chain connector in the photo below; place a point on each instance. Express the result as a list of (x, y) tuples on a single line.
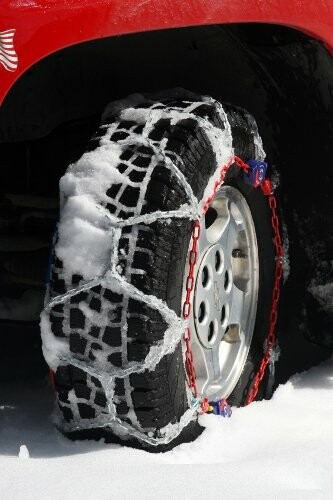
[(220, 408), (256, 174)]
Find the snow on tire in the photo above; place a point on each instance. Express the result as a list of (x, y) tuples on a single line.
[(112, 324)]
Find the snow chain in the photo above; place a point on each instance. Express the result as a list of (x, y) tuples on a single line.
[(255, 174)]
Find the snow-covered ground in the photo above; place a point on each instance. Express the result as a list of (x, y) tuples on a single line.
[(281, 448)]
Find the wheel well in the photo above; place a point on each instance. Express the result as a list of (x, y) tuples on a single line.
[(222, 61), (281, 76)]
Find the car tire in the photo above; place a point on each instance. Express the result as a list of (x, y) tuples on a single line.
[(115, 375)]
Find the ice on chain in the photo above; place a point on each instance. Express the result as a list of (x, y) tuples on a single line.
[(88, 245)]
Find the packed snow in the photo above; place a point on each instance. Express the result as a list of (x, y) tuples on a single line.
[(282, 448)]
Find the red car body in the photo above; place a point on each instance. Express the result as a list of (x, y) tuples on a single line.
[(63, 61), (45, 26)]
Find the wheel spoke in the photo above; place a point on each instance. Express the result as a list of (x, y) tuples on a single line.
[(212, 365), (206, 365), (234, 228), (237, 298)]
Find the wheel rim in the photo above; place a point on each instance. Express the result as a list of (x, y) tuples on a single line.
[(225, 294)]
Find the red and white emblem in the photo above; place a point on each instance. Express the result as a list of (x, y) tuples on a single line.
[(8, 56)]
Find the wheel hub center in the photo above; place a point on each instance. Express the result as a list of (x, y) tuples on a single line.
[(212, 296)]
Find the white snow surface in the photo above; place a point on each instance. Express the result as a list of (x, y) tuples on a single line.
[(282, 448)]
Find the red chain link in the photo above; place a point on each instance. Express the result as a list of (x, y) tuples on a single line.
[(193, 258), (267, 190), (52, 380), (223, 172)]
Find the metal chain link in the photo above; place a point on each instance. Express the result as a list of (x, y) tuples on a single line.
[(193, 258)]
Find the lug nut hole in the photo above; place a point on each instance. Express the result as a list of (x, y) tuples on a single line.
[(202, 312), (226, 280), (218, 261), (205, 276), (223, 314), (211, 331)]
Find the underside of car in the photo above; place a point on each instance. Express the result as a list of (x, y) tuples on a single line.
[(282, 77)]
